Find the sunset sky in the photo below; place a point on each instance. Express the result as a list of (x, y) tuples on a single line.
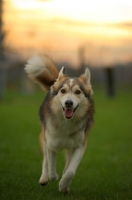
[(61, 27), (84, 10)]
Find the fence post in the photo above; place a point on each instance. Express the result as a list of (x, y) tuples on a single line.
[(110, 82)]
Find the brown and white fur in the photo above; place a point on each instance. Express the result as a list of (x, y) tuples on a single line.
[(66, 116)]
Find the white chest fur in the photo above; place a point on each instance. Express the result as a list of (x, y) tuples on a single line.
[(66, 135)]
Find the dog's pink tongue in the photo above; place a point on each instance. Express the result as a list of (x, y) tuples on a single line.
[(68, 113)]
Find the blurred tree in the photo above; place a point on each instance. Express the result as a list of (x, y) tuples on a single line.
[(2, 58)]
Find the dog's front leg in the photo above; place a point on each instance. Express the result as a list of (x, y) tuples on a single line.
[(52, 165), (70, 171), (68, 155), (44, 176)]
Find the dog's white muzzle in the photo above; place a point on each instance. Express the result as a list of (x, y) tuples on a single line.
[(69, 110)]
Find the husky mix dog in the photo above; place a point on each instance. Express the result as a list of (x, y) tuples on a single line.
[(66, 116)]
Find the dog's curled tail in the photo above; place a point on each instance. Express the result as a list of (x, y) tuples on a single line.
[(42, 70)]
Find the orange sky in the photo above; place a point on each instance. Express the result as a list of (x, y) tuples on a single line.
[(61, 27)]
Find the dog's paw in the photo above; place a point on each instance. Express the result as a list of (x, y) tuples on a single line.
[(53, 177), (43, 181), (64, 190), (65, 182)]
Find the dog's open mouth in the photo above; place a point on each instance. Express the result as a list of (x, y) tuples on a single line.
[(68, 112)]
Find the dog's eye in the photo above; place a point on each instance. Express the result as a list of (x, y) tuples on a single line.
[(78, 92), (63, 91)]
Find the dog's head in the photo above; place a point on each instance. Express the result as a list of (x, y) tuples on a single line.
[(72, 93)]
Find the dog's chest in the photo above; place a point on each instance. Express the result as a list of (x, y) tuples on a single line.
[(66, 135)]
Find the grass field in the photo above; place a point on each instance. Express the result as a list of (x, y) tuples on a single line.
[(105, 172)]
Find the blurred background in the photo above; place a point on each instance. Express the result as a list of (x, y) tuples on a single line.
[(76, 34)]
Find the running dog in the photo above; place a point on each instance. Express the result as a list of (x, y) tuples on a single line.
[(66, 116)]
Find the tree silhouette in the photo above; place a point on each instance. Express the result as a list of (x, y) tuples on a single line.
[(2, 58)]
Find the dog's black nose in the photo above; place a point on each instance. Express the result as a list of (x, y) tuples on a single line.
[(69, 103)]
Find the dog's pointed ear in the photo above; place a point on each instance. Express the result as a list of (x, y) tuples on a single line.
[(85, 78), (61, 77), (62, 74)]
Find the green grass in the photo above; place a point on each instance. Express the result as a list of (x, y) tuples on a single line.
[(105, 172)]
